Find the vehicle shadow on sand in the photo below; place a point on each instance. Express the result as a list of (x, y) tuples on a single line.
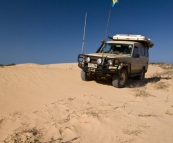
[(104, 82), (131, 82)]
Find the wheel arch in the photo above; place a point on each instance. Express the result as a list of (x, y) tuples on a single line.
[(127, 68), (144, 68)]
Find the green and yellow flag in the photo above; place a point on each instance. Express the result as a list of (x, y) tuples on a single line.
[(114, 2)]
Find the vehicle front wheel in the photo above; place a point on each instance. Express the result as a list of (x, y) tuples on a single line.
[(85, 76), (119, 80)]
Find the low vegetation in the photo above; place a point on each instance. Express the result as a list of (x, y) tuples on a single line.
[(162, 75), (24, 136), (140, 91), (157, 80), (161, 85), (163, 65), (158, 76), (147, 115), (169, 113), (12, 64)]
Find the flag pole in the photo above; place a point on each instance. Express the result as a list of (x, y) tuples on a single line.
[(108, 23), (107, 29), (113, 3), (84, 34)]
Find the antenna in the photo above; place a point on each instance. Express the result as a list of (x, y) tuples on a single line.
[(108, 22), (84, 34)]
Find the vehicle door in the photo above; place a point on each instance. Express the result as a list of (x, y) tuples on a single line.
[(143, 57), (147, 56), (136, 65), (135, 60)]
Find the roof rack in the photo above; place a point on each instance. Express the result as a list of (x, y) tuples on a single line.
[(136, 38)]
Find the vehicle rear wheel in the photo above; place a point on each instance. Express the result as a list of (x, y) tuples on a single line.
[(119, 80), (142, 75), (85, 76)]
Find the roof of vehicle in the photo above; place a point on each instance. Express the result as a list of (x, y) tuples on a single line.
[(122, 41), (133, 38)]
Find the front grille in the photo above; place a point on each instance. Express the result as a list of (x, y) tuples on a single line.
[(94, 61)]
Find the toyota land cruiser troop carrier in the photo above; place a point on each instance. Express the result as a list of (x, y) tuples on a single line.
[(122, 57)]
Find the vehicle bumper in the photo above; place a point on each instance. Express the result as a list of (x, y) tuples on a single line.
[(100, 69)]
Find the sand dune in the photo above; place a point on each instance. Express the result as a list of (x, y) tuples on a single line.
[(50, 103)]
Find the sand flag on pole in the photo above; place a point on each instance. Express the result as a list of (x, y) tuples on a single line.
[(114, 2)]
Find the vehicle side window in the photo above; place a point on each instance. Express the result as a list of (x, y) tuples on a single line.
[(135, 51), (146, 52), (142, 51)]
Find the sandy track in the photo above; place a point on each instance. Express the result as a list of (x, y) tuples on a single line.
[(50, 103)]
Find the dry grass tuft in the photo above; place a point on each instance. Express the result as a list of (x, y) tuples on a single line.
[(164, 75), (168, 112), (168, 73), (165, 65), (147, 115), (161, 85), (155, 77), (158, 76), (23, 135), (133, 132), (140, 91)]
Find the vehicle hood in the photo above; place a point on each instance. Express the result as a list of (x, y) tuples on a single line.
[(108, 55)]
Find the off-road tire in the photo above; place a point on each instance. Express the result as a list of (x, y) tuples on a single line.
[(142, 75), (84, 76), (119, 80)]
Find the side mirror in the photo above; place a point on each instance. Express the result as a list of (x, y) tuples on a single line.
[(136, 56)]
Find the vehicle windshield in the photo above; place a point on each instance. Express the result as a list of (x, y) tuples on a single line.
[(115, 48)]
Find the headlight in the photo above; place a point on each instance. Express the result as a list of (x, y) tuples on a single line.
[(110, 62), (87, 59), (116, 62), (99, 61)]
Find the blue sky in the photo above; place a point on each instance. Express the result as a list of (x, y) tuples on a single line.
[(51, 31)]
